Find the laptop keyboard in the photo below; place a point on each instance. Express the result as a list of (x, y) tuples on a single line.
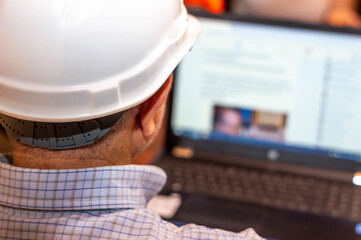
[(273, 189)]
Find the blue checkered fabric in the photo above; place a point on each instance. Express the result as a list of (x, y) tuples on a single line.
[(94, 203)]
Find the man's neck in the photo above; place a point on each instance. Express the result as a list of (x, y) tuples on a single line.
[(29, 157)]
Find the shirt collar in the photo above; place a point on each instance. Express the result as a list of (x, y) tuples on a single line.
[(129, 186)]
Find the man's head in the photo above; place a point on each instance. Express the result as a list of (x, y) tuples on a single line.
[(135, 129), (72, 70)]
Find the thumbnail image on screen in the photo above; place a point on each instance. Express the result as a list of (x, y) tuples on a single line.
[(249, 123)]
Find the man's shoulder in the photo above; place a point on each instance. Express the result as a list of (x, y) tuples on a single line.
[(143, 221), (140, 223)]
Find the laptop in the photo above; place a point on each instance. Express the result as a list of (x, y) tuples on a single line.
[(265, 129)]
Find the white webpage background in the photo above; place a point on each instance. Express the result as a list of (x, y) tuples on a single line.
[(312, 77)]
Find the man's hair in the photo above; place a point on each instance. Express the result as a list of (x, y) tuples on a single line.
[(59, 136)]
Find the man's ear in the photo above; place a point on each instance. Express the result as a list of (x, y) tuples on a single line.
[(149, 108)]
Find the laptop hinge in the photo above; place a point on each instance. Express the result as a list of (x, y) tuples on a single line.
[(182, 152)]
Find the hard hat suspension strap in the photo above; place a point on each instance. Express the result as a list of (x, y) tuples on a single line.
[(58, 136)]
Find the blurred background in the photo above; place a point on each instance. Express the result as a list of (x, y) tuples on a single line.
[(335, 12)]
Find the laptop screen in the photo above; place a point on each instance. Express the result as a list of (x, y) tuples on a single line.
[(279, 87)]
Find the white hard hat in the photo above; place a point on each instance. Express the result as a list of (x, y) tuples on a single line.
[(74, 60)]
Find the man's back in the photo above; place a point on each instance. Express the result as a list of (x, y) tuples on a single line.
[(94, 203)]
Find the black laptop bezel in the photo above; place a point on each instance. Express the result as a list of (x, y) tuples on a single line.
[(256, 152)]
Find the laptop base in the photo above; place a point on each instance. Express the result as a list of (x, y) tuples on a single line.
[(268, 222)]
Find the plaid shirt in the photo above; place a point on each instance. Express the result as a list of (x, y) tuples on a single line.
[(94, 203)]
